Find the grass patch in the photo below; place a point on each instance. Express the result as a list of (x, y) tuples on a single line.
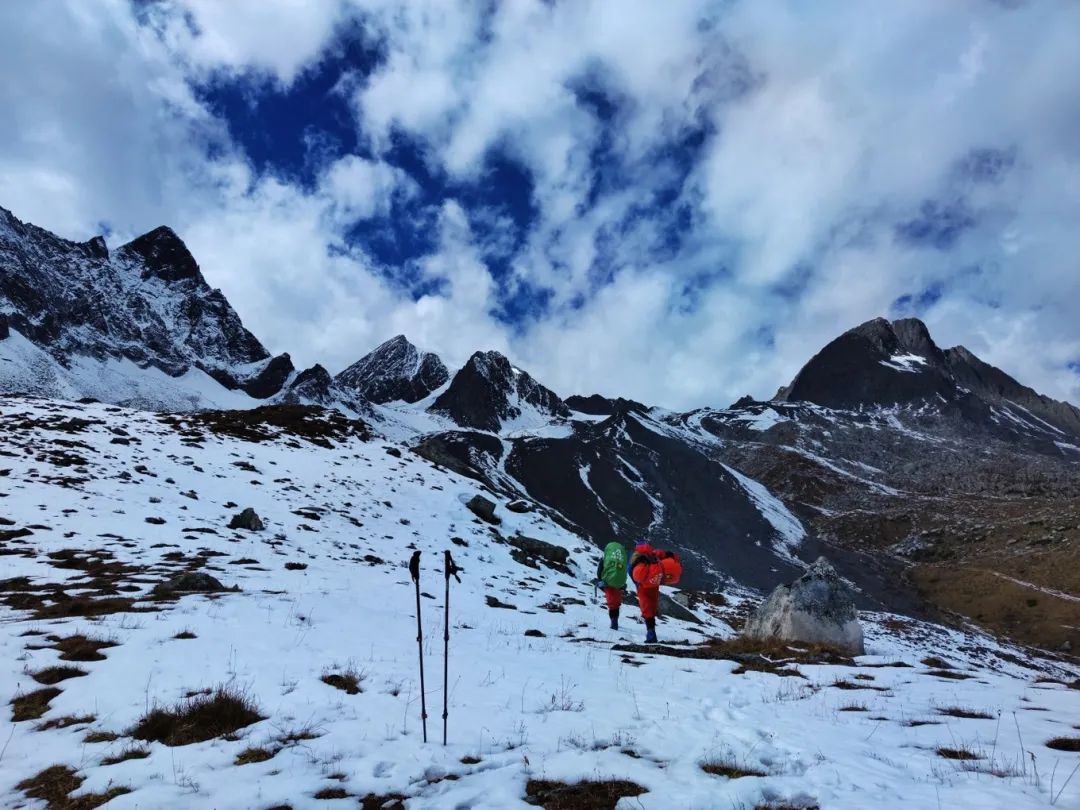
[(753, 655), (101, 737), (966, 714), (587, 795), (1064, 744), (957, 753), (854, 707), (131, 752), (387, 801), (84, 607), (843, 683), (53, 675), (185, 635), (54, 786), (65, 722), (933, 662), (32, 705), (916, 723), (730, 769), (250, 756), (81, 648), (951, 674), (332, 793), (347, 680), (199, 718), (470, 760)]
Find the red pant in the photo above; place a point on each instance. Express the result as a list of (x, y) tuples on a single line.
[(649, 600), (613, 597)]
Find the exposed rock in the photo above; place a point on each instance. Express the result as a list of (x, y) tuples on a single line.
[(529, 551), (247, 520), (190, 582), (4, 330), (818, 607), (671, 607), (604, 406), (484, 509), (520, 506), (395, 371), (270, 379)]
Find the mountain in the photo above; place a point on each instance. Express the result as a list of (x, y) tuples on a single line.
[(490, 394), (880, 364), (396, 371), (87, 321)]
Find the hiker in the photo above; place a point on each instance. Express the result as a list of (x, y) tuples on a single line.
[(611, 576), (650, 568)]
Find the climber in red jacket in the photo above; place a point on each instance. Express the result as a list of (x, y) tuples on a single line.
[(650, 568)]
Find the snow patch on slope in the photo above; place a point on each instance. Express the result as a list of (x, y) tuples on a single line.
[(790, 532)]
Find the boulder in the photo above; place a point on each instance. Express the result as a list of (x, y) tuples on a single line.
[(672, 607), (818, 607), (247, 520), (190, 582), (521, 506), (484, 509), (4, 330), (549, 552)]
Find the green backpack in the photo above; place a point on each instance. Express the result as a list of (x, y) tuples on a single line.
[(614, 570)]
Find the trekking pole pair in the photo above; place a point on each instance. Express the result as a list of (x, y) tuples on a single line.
[(450, 569)]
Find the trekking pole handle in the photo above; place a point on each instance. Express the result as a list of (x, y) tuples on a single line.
[(451, 568)]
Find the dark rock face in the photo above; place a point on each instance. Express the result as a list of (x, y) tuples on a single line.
[(488, 391), (4, 331), (247, 519), (267, 382), (312, 385), (395, 371), (483, 509), (817, 608), (146, 302), (881, 364), (603, 406)]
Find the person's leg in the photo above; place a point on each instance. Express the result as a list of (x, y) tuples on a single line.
[(613, 596), (649, 599)]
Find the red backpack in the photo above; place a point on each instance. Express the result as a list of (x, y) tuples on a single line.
[(654, 569)]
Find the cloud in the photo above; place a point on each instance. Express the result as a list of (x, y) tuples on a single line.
[(702, 194)]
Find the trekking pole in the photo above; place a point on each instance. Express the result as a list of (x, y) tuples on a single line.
[(414, 570), (450, 569)]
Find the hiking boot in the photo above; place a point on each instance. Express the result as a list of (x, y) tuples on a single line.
[(650, 636), (614, 624)]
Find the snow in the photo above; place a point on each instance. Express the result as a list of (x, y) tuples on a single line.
[(563, 706), (789, 530), (761, 421), (904, 362)]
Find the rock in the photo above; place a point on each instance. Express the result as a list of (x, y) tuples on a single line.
[(247, 520), (555, 556), (671, 607), (393, 451), (818, 607), (484, 509), (4, 329), (190, 582), (520, 506)]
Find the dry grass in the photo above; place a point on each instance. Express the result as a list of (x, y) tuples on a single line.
[(185, 635), (53, 675), (332, 793), (951, 674), (81, 648), (957, 753), (1064, 744), (730, 769), (347, 680), (599, 795), (65, 722), (966, 714), (131, 752), (54, 786), (854, 707), (199, 718), (32, 705), (250, 756), (387, 801), (100, 737)]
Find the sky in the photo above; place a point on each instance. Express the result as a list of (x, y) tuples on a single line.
[(679, 202)]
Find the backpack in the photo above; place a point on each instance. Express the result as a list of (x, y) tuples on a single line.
[(613, 570), (656, 569)]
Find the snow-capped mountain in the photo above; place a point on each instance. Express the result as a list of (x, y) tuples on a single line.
[(900, 460), (137, 324), (490, 394), (396, 371)]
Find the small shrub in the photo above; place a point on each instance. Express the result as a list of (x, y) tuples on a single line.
[(332, 793), (131, 752), (252, 755), (966, 714), (185, 635), (32, 705), (65, 722), (199, 718), (854, 707), (53, 786), (730, 769), (1064, 743), (295, 566), (586, 795), (347, 680), (100, 737), (957, 753), (53, 675)]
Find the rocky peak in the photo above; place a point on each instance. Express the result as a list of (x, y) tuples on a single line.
[(394, 371), (97, 248), (163, 255), (488, 392)]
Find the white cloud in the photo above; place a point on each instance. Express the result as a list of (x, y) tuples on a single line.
[(826, 127)]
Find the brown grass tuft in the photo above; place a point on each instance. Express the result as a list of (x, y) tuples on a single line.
[(53, 786), (199, 718), (957, 753), (966, 714), (250, 756), (347, 680), (65, 722), (601, 795), (53, 675), (332, 793), (32, 705), (1064, 744), (729, 769), (131, 752), (81, 648)]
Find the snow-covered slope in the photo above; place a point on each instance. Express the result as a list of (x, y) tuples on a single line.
[(102, 503)]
